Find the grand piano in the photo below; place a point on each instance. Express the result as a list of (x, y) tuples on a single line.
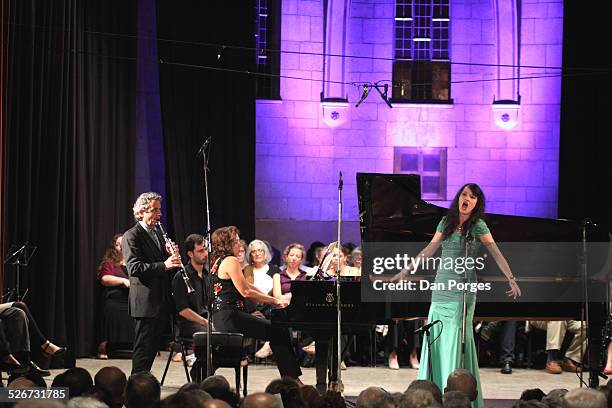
[(391, 211)]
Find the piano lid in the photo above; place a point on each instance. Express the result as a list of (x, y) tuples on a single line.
[(391, 210)]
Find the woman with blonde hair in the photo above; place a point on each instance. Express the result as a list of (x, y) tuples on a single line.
[(293, 256)]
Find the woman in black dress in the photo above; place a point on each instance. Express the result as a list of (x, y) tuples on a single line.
[(117, 325), (230, 288)]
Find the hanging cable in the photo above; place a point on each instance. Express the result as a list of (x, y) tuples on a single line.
[(217, 46)]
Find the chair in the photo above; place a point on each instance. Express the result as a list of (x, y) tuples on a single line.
[(227, 350), (182, 344)]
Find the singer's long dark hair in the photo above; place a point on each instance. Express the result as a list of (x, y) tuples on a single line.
[(452, 216)]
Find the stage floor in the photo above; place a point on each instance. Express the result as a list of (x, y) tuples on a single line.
[(496, 386)]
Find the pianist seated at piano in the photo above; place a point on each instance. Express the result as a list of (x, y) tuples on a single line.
[(231, 288), (461, 232)]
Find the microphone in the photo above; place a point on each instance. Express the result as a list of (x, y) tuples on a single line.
[(364, 95), (204, 145), (468, 237), (340, 182), (426, 327)]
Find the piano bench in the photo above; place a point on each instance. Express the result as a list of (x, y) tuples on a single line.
[(227, 351)]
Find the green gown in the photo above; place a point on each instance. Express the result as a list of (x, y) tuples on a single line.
[(447, 306)]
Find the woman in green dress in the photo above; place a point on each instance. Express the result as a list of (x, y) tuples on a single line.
[(461, 233)]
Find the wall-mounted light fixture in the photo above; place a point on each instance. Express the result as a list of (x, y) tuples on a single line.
[(335, 113), (506, 113)]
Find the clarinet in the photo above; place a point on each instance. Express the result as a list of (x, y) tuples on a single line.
[(170, 244)]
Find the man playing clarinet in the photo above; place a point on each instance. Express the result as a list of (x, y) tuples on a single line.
[(147, 262)]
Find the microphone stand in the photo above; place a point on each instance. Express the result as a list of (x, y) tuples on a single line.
[(429, 364), (209, 358), (426, 330), (339, 387), (464, 309), (593, 368)]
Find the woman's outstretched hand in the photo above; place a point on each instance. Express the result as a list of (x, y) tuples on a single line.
[(515, 290), (403, 274)]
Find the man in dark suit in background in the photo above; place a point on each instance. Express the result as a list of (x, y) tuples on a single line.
[(147, 262)]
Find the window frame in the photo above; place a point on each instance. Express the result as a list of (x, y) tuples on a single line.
[(267, 87), (419, 40), (420, 152)]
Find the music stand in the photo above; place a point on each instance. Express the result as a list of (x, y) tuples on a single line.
[(19, 256)]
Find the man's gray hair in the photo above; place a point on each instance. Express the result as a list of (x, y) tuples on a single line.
[(584, 398), (39, 403), (142, 203), (554, 399), (85, 402), (268, 254), (417, 398)]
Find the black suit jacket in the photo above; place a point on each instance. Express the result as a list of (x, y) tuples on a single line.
[(149, 281)]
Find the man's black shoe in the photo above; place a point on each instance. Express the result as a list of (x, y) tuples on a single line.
[(32, 367), (507, 368)]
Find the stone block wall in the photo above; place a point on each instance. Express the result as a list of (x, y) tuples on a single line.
[(299, 155)]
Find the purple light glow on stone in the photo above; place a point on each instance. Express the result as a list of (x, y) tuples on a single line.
[(515, 161)]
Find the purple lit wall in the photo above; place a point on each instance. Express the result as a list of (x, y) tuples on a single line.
[(299, 154), (149, 167)]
